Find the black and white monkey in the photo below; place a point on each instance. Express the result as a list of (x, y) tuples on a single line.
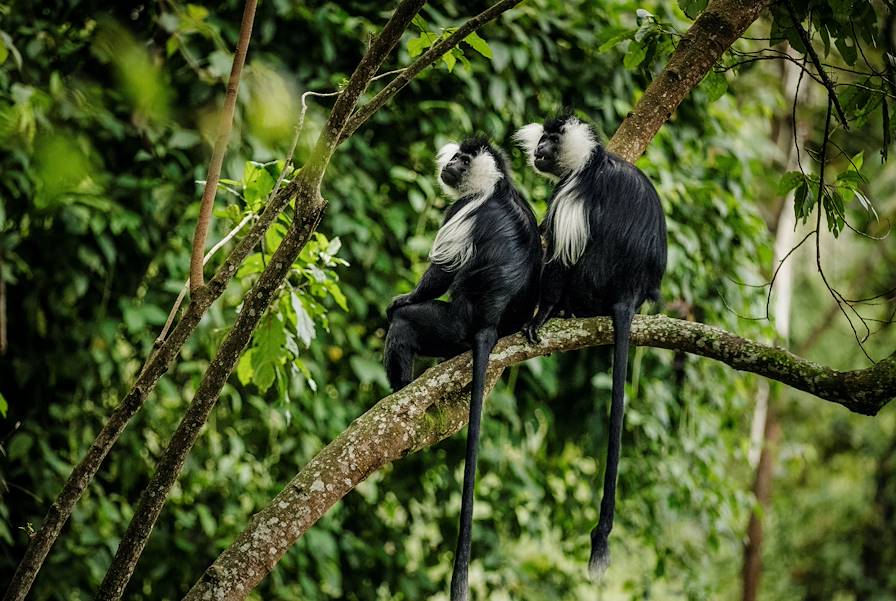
[(487, 253), (605, 236)]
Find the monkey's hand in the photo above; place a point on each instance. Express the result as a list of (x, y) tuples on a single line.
[(530, 330), (402, 300)]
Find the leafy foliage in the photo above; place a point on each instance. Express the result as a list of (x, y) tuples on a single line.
[(105, 125)]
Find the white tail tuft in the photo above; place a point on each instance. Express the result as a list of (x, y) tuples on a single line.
[(600, 560)]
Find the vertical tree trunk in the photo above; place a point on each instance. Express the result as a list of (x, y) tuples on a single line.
[(762, 488), (765, 423)]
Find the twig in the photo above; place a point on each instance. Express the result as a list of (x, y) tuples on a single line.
[(214, 167), (810, 50), (820, 209), (186, 287)]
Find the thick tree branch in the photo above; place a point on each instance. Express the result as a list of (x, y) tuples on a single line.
[(309, 209), (719, 26), (155, 367), (221, 137), (268, 536), (434, 407)]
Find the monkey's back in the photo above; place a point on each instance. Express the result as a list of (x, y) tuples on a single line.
[(625, 257), (499, 285)]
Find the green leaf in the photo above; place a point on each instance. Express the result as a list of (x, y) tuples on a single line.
[(417, 45), (849, 53), (4, 406), (19, 445), (449, 60), (244, 370), (264, 376), (692, 8), (336, 293), (715, 85), (800, 206), (479, 45), (789, 181), (616, 39), (635, 55), (304, 323)]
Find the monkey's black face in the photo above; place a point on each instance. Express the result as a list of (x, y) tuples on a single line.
[(547, 153), (454, 172)]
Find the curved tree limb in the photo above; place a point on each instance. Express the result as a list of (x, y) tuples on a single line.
[(434, 407), (163, 354), (221, 137), (717, 27), (309, 209)]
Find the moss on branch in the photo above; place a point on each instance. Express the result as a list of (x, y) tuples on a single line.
[(435, 406)]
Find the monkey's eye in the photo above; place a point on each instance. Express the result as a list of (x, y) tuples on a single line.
[(465, 160), (554, 138)]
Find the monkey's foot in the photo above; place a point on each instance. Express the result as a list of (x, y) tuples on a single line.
[(530, 331)]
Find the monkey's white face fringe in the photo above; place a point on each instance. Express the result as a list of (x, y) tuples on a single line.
[(527, 137), (453, 246), (568, 220), (576, 145), (444, 155)]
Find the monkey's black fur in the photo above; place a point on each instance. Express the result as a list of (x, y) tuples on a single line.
[(493, 293), (621, 266)]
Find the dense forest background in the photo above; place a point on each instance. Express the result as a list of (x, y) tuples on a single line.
[(107, 112)]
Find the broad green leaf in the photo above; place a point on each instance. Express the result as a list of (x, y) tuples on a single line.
[(715, 85), (692, 8), (449, 60), (612, 42), (19, 445), (635, 55), (789, 181), (304, 323), (244, 371), (264, 376), (417, 45), (479, 45), (4, 406), (336, 293)]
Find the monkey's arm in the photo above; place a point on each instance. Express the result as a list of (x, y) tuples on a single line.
[(553, 282), (434, 283)]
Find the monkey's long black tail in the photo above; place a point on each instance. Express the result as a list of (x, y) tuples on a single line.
[(600, 551), (484, 342)]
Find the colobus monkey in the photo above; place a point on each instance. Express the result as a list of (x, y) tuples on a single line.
[(606, 253), (488, 255)]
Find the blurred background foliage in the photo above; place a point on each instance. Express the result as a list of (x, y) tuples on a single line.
[(107, 111)]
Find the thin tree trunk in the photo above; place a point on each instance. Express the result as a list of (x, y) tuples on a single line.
[(166, 351), (223, 134), (762, 489), (766, 415), (309, 209), (717, 27)]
